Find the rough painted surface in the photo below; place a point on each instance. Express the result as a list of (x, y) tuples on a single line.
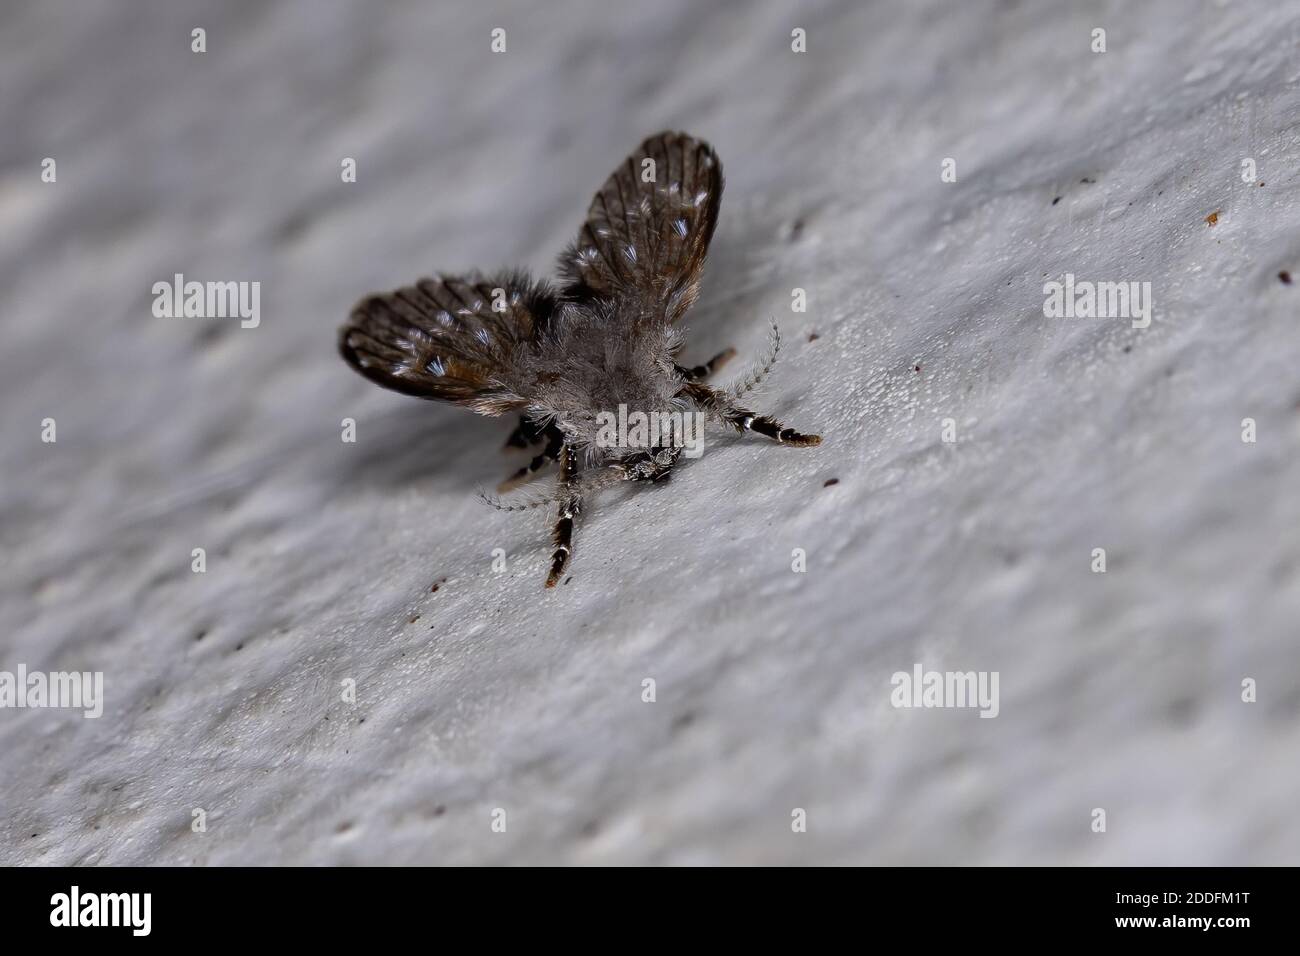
[(1119, 690)]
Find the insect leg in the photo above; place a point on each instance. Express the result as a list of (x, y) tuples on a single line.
[(569, 508), (554, 443), (526, 434), (742, 419), (700, 372)]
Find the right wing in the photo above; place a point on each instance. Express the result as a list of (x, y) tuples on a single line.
[(645, 241)]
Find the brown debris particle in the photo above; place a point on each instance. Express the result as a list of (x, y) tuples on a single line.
[(830, 481), (1212, 218), (813, 336), (1284, 277)]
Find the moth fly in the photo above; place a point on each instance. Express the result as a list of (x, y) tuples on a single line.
[(562, 356)]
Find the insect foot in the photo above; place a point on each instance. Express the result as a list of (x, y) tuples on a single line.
[(771, 428)]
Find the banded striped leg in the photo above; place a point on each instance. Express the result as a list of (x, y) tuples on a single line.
[(554, 443), (569, 509), (700, 372), (742, 419)]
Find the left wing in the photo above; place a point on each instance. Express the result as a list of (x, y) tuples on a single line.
[(451, 339)]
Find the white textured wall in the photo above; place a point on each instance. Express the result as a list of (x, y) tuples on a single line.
[(1119, 690)]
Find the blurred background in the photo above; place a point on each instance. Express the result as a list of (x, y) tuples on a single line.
[(475, 690)]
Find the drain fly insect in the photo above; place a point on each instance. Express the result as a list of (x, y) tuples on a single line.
[(562, 356)]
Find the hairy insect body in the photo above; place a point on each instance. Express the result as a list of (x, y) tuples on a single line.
[(569, 358)]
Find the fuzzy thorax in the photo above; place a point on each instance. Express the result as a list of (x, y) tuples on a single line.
[(589, 364)]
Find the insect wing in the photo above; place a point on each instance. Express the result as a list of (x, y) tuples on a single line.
[(452, 339), (648, 228)]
